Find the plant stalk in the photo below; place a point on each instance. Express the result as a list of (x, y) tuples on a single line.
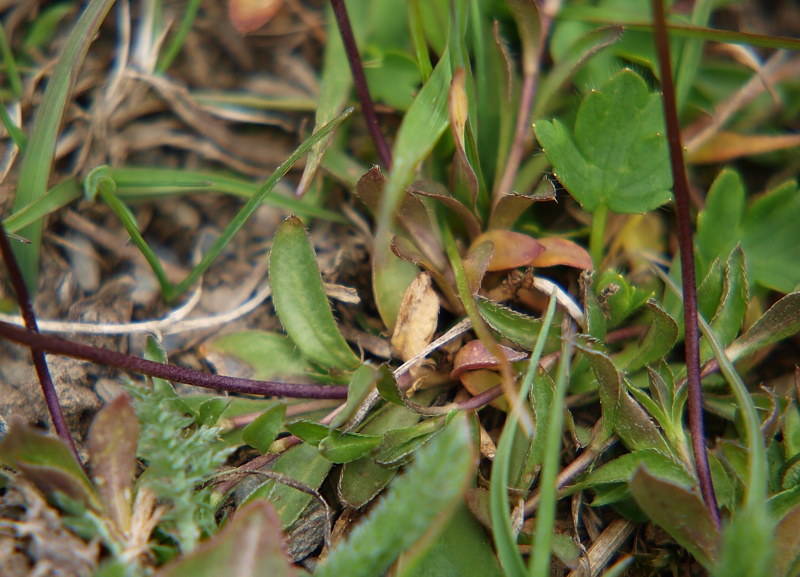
[(39, 361), (362, 89), (54, 345), (684, 218)]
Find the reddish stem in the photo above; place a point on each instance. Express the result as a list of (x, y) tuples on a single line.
[(362, 90), (39, 362), (685, 241), (59, 346)]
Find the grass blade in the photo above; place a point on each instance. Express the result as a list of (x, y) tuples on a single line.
[(38, 161)]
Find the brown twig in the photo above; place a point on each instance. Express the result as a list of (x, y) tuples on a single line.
[(684, 218)]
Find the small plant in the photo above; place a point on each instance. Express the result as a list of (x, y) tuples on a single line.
[(507, 351)]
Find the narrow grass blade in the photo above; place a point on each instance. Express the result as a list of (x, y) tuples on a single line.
[(504, 538), (57, 197), (300, 299), (38, 161), (175, 46), (250, 207), (335, 88), (12, 72), (545, 517)]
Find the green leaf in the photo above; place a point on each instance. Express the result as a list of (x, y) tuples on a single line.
[(38, 161), (718, 222), (422, 126), (303, 464), (48, 463), (211, 410), (399, 444), (618, 154), (270, 355), (622, 469), (360, 386), (680, 512), (780, 321), (347, 447), (112, 442), (730, 315), (462, 549), (249, 546), (300, 300), (787, 543), (361, 480), (765, 229), (522, 329), (771, 239), (747, 544), (261, 433), (418, 504), (660, 339)]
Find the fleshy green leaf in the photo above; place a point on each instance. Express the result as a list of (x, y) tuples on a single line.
[(249, 546), (660, 339), (464, 549), (617, 156), (261, 433), (418, 504), (300, 300)]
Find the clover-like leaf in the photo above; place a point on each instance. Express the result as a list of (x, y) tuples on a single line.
[(617, 155)]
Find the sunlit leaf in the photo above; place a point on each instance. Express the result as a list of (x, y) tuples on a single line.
[(265, 428), (618, 154), (300, 299)]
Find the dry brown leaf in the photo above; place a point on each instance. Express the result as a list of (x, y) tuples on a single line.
[(511, 249), (416, 322), (727, 146), (250, 15)]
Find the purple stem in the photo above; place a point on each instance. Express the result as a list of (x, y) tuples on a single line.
[(39, 362), (59, 346), (362, 90), (682, 205)]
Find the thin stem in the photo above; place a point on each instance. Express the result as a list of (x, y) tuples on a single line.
[(598, 234), (362, 90), (59, 346), (39, 361), (530, 81), (682, 205)]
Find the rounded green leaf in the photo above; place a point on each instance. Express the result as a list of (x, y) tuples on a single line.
[(300, 300), (617, 154)]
